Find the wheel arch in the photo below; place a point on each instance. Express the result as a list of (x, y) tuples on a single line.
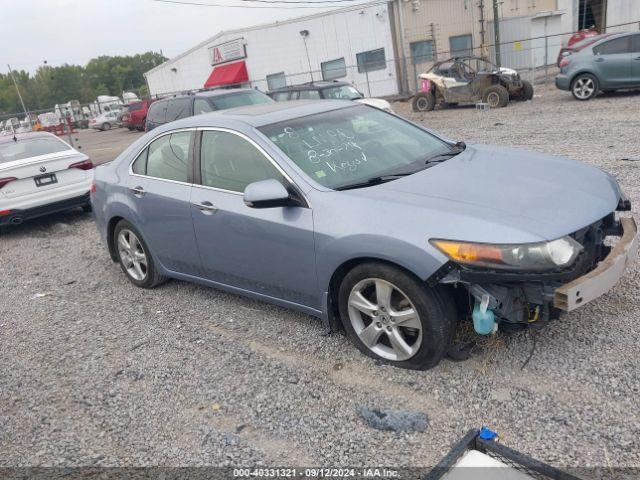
[(111, 228), (582, 72), (335, 322)]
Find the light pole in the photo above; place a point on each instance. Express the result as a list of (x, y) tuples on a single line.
[(304, 34), (15, 84)]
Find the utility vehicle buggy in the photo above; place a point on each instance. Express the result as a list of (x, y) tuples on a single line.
[(469, 80)]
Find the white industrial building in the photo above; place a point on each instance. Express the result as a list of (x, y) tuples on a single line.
[(353, 44)]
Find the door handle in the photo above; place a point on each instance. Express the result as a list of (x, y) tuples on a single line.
[(138, 191), (206, 207), (599, 59), (637, 58)]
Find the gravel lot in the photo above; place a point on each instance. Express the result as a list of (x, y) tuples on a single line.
[(101, 146), (97, 372)]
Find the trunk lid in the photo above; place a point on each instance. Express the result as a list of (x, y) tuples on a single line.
[(26, 171)]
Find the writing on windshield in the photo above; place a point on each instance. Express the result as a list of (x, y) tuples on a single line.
[(352, 144)]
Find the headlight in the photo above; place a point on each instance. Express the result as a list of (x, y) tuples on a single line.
[(528, 256)]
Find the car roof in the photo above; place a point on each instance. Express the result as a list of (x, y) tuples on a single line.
[(25, 136), (310, 86), (267, 113), (210, 93)]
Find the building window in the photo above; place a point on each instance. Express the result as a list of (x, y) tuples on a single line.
[(333, 69), (421, 51), (371, 60), (276, 80), (461, 46)]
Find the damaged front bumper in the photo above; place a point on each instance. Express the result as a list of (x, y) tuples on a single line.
[(605, 276), (522, 298)]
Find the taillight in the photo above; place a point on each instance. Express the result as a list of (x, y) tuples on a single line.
[(93, 187), (4, 181), (83, 165), (566, 60)]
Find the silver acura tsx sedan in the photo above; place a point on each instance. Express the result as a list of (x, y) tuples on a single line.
[(368, 221)]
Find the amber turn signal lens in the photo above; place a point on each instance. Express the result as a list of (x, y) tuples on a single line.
[(469, 252)]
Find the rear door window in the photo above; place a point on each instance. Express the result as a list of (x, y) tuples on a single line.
[(200, 105), (636, 43), (156, 112), (309, 95), (178, 108), (612, 47), (167, 157)]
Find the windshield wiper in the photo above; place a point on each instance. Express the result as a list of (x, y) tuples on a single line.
[(458, 148), (373, 181)]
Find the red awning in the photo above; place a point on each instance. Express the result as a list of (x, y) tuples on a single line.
[(228, 74)]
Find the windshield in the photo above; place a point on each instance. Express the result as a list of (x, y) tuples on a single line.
[(353, 145), (26, 148), (239, 99), (343, 92)]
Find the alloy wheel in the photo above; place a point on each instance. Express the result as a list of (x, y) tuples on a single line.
[(132, 255), (384, 319), (584, 88)]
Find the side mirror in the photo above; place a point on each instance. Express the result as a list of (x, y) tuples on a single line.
[(266, 194)]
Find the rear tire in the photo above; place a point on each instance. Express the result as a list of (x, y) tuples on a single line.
[(105, 126), (423, 102), (496, 96), (584, 87), (410, 326), (135, 257)]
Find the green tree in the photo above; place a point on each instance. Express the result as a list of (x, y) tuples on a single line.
[(55, 85)]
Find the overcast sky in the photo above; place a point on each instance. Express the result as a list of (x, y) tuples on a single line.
[(74, 31)]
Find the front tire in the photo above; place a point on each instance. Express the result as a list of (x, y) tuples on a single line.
[(423, 102), (134, 257), (394, 317), (105, 126), (584, 87), (496, 96)]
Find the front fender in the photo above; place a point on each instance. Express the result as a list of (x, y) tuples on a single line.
[(422, 261)]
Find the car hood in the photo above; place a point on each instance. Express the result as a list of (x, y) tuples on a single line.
[(545, 196)]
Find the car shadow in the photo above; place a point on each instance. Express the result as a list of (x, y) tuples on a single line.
[(56, 223), (619, 94)]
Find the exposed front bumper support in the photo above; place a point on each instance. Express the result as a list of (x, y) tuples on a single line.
[(600, 280)]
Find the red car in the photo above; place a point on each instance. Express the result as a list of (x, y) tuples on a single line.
[(136, 115), (578, 41)]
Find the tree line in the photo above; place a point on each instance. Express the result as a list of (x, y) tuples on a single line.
[(103, 75)]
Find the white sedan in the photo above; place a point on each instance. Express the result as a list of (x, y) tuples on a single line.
[(105, 121), (41, 174)]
